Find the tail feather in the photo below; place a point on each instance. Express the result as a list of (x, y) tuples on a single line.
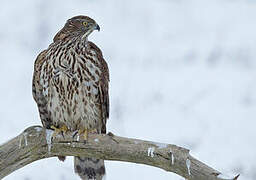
[(62, 158), (89, 168)]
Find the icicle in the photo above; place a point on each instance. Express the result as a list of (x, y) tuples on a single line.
[(172, 157), (222, 176), (151, 151), (188, 163), (49, 134), (25, 138), (21, 138)]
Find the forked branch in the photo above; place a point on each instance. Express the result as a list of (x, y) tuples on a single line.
[(37, 143)]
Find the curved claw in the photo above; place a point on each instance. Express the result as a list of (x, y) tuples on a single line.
[(61, 130)]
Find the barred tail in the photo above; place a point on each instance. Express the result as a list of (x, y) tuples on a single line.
[(89, 168)]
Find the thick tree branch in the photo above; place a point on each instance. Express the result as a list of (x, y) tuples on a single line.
[(34, 144)]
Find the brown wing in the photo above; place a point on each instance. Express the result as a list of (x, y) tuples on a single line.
[(103, 87), (37, 91)]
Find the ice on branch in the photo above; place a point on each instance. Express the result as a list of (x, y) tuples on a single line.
[(172, 157), (23, 136), (49, 134), (151, 151), (188, 164), (226, 177)]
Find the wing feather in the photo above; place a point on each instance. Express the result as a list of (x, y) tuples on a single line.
[(103, 87), (37, 91)]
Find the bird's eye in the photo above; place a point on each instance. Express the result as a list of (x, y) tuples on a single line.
[(85, 23)]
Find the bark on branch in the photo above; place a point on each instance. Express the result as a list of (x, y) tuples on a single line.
[(35, 143)]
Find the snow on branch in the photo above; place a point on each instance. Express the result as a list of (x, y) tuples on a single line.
[(38, 143)]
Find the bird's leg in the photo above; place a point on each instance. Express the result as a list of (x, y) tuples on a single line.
[(62, 129), (83, 132)]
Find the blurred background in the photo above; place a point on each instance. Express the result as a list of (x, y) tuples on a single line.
[(182, 72)]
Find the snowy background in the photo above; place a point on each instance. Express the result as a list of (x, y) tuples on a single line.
[(182, 72)]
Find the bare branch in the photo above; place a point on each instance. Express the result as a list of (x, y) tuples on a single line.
[(35, 143)]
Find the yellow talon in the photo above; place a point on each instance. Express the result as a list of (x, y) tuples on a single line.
[(83, 132), (57, 131), (64, 128), (80, 131)]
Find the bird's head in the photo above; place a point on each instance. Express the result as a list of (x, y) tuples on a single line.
[(78, 26)]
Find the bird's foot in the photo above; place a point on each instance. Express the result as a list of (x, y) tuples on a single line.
[(62, 130), (84, 133)]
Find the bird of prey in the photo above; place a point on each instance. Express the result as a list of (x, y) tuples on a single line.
[(70, 87)]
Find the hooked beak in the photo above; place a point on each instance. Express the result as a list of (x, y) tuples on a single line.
[(97, 27)]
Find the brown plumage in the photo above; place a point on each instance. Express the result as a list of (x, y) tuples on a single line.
[(70, 87)]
